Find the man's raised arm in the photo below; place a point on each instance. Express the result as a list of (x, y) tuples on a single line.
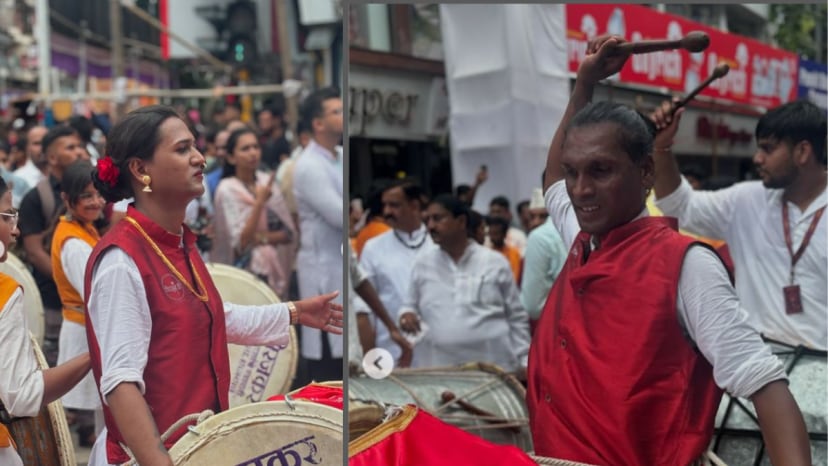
[(602, 60)]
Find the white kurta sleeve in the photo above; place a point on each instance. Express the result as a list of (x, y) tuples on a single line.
[(706, 213), (73, 257), (561, 212), (314, 187), (714, 319), (21, 381), (516, 315), (121, 320), (257, 325)]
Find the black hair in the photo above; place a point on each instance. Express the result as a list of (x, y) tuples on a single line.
[(55, 133), (3, 187), (302, 127), (83, 126), (521, 205), (136, 136), (498, 221), (635, 132), (412, 191), (21, 143), (501, 201), (793, 122), (314, 105), (475, 219), (694, 170), (232, 140), (455, 206), (76, 178), (461, 189), (4, 146)]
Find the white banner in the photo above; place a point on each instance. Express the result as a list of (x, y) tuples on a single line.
[(508, 84)]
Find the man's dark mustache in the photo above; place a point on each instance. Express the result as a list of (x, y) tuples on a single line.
[(390, 217)]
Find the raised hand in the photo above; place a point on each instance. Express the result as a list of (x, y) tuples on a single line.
[(603, 58), (666, 120)]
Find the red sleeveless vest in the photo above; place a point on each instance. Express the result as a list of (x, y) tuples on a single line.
[(612, 378), (188, 368)]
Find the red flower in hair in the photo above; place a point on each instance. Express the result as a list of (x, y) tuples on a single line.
[(108, 172)]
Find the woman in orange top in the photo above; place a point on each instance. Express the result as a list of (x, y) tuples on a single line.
[(24, 388), (72, 243)]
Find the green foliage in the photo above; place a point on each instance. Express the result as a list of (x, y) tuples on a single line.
[(801, 28)]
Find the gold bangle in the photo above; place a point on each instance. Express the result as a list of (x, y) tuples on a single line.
[(294, 313), (262, 238)]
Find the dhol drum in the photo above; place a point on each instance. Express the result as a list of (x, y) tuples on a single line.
[(738, 439), (16, 269), (478, 398), (45, 439), (257, 372), (272, 433)]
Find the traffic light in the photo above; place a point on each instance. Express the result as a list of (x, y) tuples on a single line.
[(240, 25)]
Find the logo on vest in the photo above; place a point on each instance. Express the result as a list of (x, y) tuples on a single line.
[(172, 287)]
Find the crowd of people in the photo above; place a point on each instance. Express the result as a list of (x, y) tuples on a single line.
[(117, 235)]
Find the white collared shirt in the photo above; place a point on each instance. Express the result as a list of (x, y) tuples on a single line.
[(708, 310), (387, 260), (120, 315), (748, 217), (472, 309)]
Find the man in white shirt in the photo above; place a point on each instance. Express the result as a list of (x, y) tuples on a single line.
[(466, 296), (317, 186), (35, 168), (387, 258), (766, 224)]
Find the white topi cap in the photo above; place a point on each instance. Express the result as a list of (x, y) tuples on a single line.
[(537, 199)]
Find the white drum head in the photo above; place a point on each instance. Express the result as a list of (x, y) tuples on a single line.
[(16, 269), (273, 432), (256, 372)]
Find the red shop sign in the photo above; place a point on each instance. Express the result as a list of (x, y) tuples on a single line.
[(759, 74)]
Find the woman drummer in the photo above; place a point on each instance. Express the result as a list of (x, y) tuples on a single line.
[(74, 237), (157, 328), (24, 388)]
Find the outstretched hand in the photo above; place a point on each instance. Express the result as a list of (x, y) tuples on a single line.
[(603, 58), (320, 312)]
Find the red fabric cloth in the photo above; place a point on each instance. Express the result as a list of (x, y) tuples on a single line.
[(612, 378), (426, 440), (322, 394), (188, 368)]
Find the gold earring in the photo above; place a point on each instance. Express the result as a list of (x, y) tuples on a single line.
[(146, 180)]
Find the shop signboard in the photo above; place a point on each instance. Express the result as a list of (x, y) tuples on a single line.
[(760, 75)]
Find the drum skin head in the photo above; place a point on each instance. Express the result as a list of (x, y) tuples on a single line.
[(16, 269), (485, 386), (257, 372), (258, 434), (45, 439)]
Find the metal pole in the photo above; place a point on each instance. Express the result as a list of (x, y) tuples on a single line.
[(44, 56), (117, 52), (292, 111), (83, 59)]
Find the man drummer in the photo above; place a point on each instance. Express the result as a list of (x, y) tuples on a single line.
[(643, 323), (778, 220)]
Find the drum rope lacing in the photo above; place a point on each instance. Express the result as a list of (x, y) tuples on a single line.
[(231, 428), (198, 418)]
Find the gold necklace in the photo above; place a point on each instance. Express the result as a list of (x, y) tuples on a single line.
[(203, 297)]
